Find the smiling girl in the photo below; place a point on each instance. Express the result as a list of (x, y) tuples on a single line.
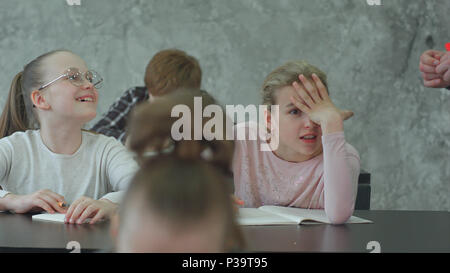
[(45, 156), (313, 166)]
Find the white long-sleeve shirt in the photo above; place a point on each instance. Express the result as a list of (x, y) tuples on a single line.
[(101, 167)]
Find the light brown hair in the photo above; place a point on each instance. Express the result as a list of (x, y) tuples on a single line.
[(190, 181), (171, 69), (285, 75)]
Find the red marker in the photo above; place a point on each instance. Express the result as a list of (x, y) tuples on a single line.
[(447, 46)]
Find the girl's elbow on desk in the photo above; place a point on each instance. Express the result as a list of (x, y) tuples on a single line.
[(339, 216)]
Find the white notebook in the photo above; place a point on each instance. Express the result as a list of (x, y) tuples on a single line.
[(55, 217), (276, 215)]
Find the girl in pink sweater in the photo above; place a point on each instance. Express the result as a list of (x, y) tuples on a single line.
[(312, 166)]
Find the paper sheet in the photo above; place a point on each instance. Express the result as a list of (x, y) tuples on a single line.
[(55, 217)]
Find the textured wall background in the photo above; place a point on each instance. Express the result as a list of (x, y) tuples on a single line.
[(370, 53)]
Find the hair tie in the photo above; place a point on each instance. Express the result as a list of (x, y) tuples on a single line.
[(207, 154)]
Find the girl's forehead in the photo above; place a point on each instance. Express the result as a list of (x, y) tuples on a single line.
[(283, 94), (59, 62)]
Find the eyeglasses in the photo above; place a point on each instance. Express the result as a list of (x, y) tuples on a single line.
[(77, 78)]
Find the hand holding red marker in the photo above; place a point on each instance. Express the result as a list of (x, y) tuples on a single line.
[(435, 68)]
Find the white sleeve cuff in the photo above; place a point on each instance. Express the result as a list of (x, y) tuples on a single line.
[(3, 193), (115, 197)]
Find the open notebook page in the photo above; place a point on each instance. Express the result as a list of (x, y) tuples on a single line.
[(302, 215), (55, 217), (253, 216)]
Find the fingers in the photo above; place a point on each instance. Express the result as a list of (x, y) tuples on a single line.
[(427, 68), (320, 86), (443, 67), (430, 76), (51, 201), (303, 97), (76, 209), (88, 213), (100, 214), (446, 77), (428, 57), (432, 83), (445, 57), (86, 207), (71, 209), (106, 209), (439, 54), (56, 196), (346, 114), (42, 204), (310, 88), (440, 77), (298, 102)]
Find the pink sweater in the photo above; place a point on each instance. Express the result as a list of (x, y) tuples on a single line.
[(327, 181)]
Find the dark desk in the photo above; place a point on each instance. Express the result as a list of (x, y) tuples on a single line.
[(19, 233), (396, 231)]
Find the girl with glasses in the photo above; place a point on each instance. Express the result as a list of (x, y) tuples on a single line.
[(46, 159)]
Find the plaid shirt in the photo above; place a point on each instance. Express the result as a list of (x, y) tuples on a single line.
[(114, 122)]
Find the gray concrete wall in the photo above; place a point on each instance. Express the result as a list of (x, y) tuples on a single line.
[(370, 54)]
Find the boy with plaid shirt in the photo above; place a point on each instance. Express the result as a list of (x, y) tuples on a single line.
[(167, 71)]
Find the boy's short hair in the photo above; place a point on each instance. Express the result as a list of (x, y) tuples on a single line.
[(285, 75), (171, 69)]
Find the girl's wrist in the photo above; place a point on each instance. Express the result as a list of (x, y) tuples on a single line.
[(332, 124), (6, 203), (113, 206)]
